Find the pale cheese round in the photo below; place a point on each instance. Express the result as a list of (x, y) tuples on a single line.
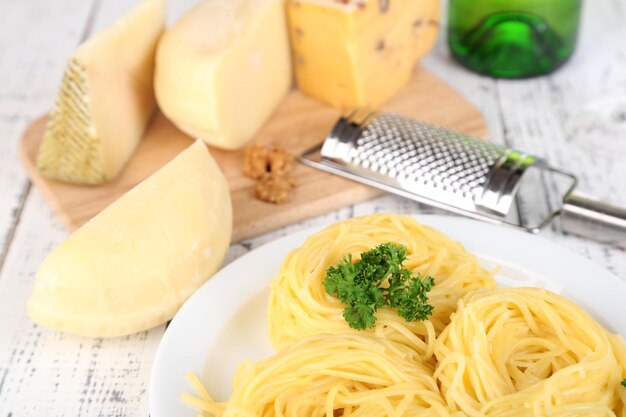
[(132, 266)]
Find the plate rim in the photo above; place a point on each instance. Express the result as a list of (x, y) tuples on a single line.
[(536, 242)]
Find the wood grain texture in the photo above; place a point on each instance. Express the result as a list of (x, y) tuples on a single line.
[(297, 124), (573, 118), (46, 373), (29, 69)]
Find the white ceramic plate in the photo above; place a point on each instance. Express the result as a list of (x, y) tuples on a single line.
[(223, 323)]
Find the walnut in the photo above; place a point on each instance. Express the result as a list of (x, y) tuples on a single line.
[(259, 161), (280, 161), (273, 169), (275, 189), (256, 161)]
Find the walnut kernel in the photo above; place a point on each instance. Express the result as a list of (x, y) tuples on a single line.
[(256, 161), (281, 162), (275, 189)]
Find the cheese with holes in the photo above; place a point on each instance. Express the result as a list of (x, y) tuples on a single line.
[(223, 68), (133, 265), (105, 100), (351, 53)]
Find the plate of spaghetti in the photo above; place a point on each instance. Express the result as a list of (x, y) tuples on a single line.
[(392, 315)]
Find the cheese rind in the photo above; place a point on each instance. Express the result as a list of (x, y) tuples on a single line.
[(133, 265), (105, 100), (359, 52), (223, 68)]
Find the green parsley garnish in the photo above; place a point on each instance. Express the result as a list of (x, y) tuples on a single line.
[(378, 280), (623, 382)]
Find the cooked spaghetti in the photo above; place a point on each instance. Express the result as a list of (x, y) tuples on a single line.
[(299, 305), (528, 352), (484, 352), (330, 376)]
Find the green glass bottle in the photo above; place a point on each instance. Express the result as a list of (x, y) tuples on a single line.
[(513, 38)]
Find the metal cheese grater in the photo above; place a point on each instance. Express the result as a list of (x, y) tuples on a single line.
[(455, 172)]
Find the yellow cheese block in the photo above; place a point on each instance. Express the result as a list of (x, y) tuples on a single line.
[(133, 265), (223, 68), (359, 52), (105, 100)]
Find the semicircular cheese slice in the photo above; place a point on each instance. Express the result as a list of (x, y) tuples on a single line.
[(132, 266)]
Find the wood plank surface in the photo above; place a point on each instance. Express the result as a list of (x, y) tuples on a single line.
[(30, 66), (297, 124), (577, 110)]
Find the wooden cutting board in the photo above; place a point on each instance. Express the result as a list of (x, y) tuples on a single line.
[(297, 124)]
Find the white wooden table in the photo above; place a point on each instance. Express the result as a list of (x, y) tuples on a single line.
[(576, 118)]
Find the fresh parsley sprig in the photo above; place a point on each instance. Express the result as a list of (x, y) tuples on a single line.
[(378, 280), (623, 382)]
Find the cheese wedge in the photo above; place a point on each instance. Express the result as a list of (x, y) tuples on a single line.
[(133, 265), (351, 53), (105, 100), (223, 68)]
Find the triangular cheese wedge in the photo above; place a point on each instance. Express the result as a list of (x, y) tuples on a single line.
[(133, 265), (105, 100)]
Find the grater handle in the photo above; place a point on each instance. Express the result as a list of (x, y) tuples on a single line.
[(595, 219)]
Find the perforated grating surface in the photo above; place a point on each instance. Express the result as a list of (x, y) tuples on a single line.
[(426, 154)]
